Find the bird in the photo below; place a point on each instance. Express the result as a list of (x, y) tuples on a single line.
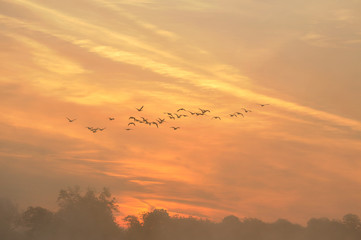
[(71, 120), (262, 105), (155, 123), (131, 123), (238, 113), (144, 119), (160, 121), (94, 130), (181, 109), (192, 112), (246, 110), (178, 116), (233, 115), (216, 117), (132, 118), (140, 109), (101, 129), (204, 110), (175, 128), (111, 118), (171, 117), (128, 129)]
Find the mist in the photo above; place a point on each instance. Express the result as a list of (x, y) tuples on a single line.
[(90, 215)]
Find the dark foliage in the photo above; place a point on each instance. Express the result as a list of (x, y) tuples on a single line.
[(89, 216)]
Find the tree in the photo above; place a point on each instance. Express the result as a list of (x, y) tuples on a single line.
[(87, 216), (39, 222), (352, 221), (8, 218), (156, 224)]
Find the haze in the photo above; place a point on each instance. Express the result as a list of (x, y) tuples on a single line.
[(297, 158)]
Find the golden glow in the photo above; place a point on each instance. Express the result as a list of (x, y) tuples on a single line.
[(91, 60)]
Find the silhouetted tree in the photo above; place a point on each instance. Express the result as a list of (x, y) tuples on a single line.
[(8, 219), (230, 228), (352, 221), (88, 216), (156, 224), (39, 223), (135, 228), (325, 229)]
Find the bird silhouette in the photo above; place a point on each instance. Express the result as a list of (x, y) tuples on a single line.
[(262, 105), (204, 110), (144, 119), (246, 110), (131, 123), (71, 120), (140, 109), (175, 128), (160, 121), (155, 123), (181, 109), (238, 113), (91, 129), (128, 129), (216, 117), (111, 118)]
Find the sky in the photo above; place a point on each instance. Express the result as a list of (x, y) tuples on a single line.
[(296, 158)]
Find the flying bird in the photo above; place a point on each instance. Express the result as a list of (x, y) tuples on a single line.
[(90, 129), (204, 110), (175, 128), (131, 123), (238, 113), (101, 129), (144, 119), (111, 118), (216, 117), (155, 123), (181, 109), (246, 110), (71, 120), (128, 129), (262, 105), (94, 130), (140, 109), (160, 121)]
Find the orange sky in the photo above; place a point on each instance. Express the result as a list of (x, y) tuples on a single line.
[(297, 158)]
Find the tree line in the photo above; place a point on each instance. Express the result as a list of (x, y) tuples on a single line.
[(90, 216)]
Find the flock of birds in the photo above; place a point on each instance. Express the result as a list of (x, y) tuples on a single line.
[(180, 113)]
